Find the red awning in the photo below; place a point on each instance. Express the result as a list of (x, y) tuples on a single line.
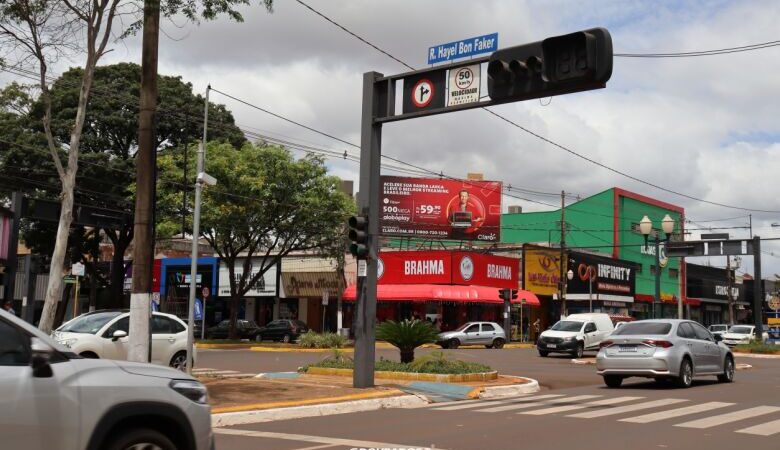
[(441, 293)]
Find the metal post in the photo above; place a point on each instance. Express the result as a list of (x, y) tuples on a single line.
[(758, 289), (31, 271), (590, 291), (522, 303), (370, 158), (194, 254), (76, 299), (562, 268), (508, 316), (728, 287), (657, 298), (17, 200)]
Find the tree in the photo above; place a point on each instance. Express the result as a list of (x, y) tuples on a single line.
[(407, 335), (43, 31), (266, 205)]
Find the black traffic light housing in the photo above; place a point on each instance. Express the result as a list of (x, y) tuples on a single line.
[(508, 294), (358, 236), (558, 65)]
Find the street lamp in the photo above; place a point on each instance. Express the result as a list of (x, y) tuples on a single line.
[(646, 228), (570, 275)]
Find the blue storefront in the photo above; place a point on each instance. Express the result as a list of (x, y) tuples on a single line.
[(175, 274)]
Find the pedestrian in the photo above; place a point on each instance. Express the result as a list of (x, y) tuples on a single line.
[(537, 327), (8, 307)]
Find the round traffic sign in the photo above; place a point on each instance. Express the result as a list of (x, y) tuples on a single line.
[(422, 93), (464, 78)]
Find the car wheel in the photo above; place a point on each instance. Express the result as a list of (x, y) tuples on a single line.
[(613, 381), (543, 353), (90, 355), (498, 343), (580, 350), (454, 343), (685, 379), (286, 338), (141, 438), (728, 371), (179, 361)]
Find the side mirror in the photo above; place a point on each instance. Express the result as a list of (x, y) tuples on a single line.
[(118, 334), (41, 359), (717, 337)]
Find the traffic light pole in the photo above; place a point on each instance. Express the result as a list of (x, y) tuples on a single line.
[(758, 289), (375, 98)]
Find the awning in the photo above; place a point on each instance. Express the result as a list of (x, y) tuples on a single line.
[(650, 299), (442, 293)]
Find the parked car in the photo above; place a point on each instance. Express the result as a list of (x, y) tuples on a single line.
[(489, 334), (718, 328), (664, 349), (104, 334), (51, 397), (575, 334), (246, 329), (282, 330), (742, 334)]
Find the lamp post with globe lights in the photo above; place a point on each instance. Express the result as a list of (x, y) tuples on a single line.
[(646, 228)]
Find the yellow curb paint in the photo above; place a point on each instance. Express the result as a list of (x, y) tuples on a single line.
[(222, 346), (311, 401)]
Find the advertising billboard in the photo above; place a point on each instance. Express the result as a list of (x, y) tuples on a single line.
[(440, 209), (541, 271), (611, 279), (482, 269), (446, 267)]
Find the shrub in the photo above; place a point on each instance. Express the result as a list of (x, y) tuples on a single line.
[(322, 340), (435, 364), (758, 347), (407, 335)]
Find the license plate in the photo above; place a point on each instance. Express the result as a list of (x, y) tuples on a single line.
[(552, 346), (627, 348)]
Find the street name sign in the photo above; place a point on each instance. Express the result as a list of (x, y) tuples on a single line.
[(77, 269), (463, 48)]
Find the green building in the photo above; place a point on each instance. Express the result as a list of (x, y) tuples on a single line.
[(607, 223)]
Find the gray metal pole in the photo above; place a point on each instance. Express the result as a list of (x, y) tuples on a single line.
[(17, 202), (205, 137), (590, 292), (508, 317), (758, 289), (657, 299), (370, 158)]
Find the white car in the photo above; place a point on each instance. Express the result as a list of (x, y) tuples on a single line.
[(103, 334), (51, 398), (575, 333), (741, 334)]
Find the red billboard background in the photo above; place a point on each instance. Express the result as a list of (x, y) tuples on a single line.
[(440, 209), (445, 267), (481, 269)]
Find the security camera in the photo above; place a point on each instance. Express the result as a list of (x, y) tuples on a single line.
[(205, 178)]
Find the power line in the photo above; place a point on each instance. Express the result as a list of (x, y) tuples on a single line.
[(547, 140), (720, 51)]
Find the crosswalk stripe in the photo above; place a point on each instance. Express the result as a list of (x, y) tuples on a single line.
[(764, 429), (627, 408), (480, 403), (216, 372), (203, 369), (708, 422), (671, 413), (520, 404), (564, 408)]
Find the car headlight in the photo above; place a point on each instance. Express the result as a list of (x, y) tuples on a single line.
[(569, 339), (191, 389), (68, 342)]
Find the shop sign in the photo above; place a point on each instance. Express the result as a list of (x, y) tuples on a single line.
[(541, 270), (431, 267), (441, 209), (311, 284), (608, 276), (481, 269), (265, 286)]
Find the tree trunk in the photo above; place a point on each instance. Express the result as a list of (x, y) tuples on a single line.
[(117, 275), (62, 307), (233, 333), (407, 356)]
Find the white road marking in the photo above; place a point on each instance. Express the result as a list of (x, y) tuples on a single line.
[(216, 372), (765, 429), (317, 447), (314, 439), (476, 404), (529, 402), (564, 408), (708, 422), (671, 413), (627, 408), (202, 369)]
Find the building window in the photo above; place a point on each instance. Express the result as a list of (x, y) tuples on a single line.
[(674, 273), (639, 268), (652, 269)]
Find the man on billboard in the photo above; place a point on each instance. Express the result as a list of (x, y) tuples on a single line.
[(467, 215)]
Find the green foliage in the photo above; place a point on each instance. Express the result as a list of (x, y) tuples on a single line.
[(758, 347), (407, 335), (322, 340), (435, 365)]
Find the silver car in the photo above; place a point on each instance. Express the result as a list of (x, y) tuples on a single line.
[(52, 398), (664, 349), (489, 334)]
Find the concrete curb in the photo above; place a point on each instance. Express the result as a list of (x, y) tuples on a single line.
[(259, 348), (324, 409), (411, 376), (743, 366), (583, 361), (529, 387), (756, 355)]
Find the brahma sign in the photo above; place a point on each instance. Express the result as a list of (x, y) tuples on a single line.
[(445, 267), (441, 209)]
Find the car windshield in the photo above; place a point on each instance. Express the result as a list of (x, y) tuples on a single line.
[(567, 325), (464, 326), (740, 330), (89, 323), (644, 328)]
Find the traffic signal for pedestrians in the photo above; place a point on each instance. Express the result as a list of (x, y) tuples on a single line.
[(358, 236), (573, 62), (508, 294)]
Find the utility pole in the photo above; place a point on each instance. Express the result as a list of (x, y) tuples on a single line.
[(728, 287), (657, 297), (17, 204), (184, 191), (758, 289), (562, 264), (750, 224), (143, 248)]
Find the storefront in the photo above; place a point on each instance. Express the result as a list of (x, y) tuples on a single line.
[(600, 284), (449, 288), (541, 276), (710, 287), (258, 302), (175, 276), (311, 297)]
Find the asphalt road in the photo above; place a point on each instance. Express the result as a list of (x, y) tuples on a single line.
[(576, 411)]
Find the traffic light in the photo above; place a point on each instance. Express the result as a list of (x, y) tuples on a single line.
[(358, 235), (573, 62), (508, 294)]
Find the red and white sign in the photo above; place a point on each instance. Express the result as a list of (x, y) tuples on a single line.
[(443, 209), (480, 269), (445, 267)]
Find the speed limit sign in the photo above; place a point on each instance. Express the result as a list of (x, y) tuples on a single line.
[(464, 85)]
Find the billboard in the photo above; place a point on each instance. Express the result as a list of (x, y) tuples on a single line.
[(612, 279), (265, 285), (541, 270), (445, 267), (482, 269), (440, 209)]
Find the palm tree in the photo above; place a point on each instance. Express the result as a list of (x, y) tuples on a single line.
[(407, 335)]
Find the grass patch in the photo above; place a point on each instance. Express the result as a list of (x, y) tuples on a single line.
[(758, 347), (436, 363)]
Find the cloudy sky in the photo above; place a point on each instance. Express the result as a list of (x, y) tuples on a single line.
[(704, 126)]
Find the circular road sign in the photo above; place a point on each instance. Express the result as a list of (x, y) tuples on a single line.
[(422, 93), (464, 78)]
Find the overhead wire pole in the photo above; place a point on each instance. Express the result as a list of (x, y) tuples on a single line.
[(562, 264), (195, 234)]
